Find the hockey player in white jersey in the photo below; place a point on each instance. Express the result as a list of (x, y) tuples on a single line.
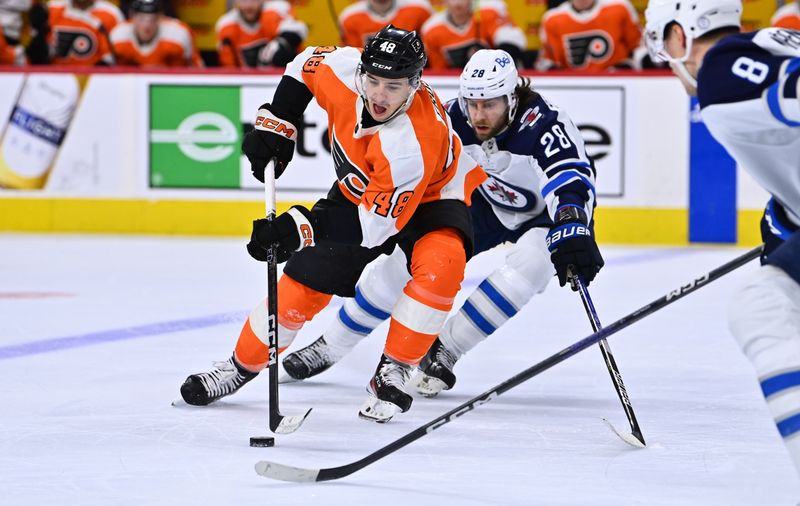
[(539, 173), (747, 88)]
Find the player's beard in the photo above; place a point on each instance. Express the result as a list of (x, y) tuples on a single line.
[(489, 130)]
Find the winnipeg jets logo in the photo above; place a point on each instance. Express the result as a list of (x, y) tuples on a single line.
[(585, 47), (507, 196), (529, 118), (502, 193)]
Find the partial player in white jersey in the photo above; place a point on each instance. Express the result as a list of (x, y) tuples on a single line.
[(747, 87), (539, 173)]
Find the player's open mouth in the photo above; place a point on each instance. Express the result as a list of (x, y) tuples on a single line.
[(378, 109)]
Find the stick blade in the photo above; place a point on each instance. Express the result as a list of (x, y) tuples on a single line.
[(281, 472), (631, 439), (291, 423)]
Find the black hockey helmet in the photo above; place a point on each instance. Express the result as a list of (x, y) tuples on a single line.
[(394, 53), (146, 6)]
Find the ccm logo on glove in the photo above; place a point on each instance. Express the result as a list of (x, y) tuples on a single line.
[(304, 229), (269, 122)]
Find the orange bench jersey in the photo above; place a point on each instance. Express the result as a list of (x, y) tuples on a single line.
[(10, 55), (239, 42), (595, 39), (787, 16), (358, 22), (449, 46), (173, 46), (388, 169), (78, 37)]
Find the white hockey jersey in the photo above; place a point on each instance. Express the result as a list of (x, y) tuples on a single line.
[(539, 158), (748, 89)]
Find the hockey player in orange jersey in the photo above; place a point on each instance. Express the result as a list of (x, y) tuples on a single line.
[(258, 34), (403, 180), (10, 55), (453, 35), (150, 39), (787, 16), (361, 20), (79, 31), (589, 35)]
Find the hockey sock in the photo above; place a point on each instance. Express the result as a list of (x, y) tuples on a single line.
[(437, 269), (296, 304)]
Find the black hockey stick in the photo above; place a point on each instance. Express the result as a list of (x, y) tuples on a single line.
[(297, 474), (278, 423), (635, 438)]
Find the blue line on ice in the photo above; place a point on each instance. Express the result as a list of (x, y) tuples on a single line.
[(106, 336), (155, 329)]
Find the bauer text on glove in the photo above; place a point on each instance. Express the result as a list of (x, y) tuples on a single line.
[(571, 244)]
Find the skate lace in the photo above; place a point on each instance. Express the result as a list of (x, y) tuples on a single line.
[(394, 374), (445, 357), (316, 355), (222, 380)]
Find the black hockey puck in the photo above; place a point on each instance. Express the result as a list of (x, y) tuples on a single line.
[(262, 442)]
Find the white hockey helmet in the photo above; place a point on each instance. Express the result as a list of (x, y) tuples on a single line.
[(696, 17), (490, 73)]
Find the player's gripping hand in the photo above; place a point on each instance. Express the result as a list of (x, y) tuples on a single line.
[(289, 232), (572, 244), (271, 137)]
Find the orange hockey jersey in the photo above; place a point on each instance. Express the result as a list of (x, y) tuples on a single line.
[(595, 39), (450, 46), (172, 46), (10, 55), (388, 169), (239, 42), (358, 22), (787, 16), (79, 37)]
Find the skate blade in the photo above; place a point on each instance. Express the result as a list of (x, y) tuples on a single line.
[(428, 386), (376, 410)]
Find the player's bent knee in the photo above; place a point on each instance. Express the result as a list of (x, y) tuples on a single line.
[(384, 280), (530, 261), (766, 312), (437, 265)]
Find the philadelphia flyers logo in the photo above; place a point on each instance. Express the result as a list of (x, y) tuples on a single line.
[(585, 47), (75, 42)]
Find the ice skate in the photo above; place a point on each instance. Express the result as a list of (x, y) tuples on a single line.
[(435, 371), (385, 391), (204, 388), (311, 360)]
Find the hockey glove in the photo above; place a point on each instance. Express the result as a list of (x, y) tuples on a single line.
[(279, 51), (289, 232), (572, 245), (271, 137)]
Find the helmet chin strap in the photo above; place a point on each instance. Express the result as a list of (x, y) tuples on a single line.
[(684, 72)]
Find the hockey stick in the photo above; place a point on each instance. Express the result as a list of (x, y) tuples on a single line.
[(635, 438), (278, 423), (297, 474)]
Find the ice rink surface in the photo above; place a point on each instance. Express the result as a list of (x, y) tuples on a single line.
[(98, 333)]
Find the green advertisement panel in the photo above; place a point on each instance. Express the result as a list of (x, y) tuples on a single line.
[(194, 138)]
